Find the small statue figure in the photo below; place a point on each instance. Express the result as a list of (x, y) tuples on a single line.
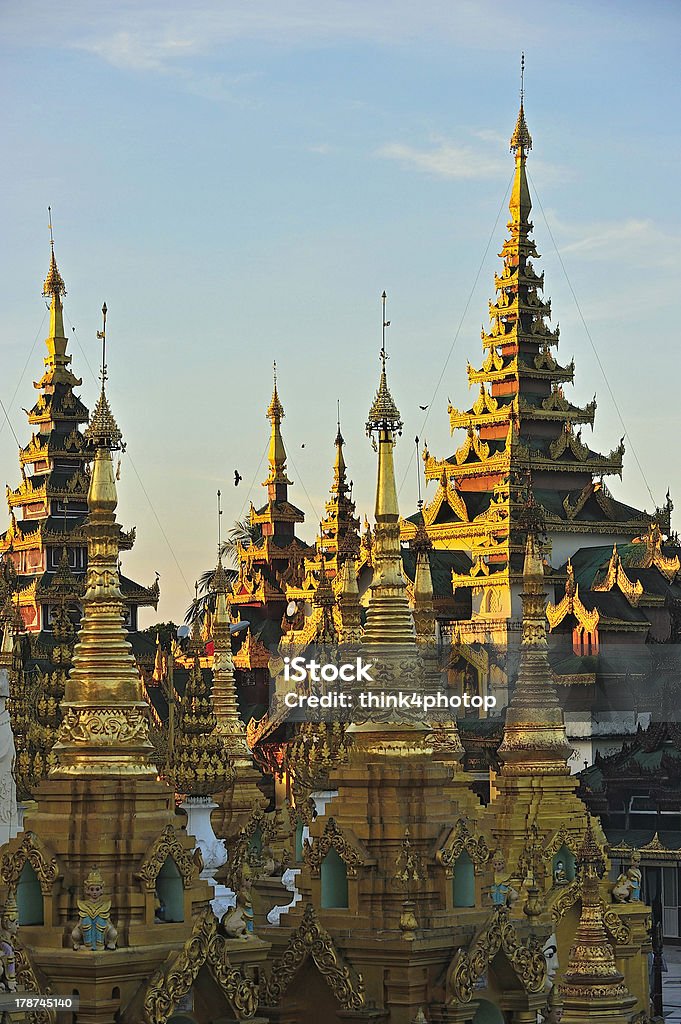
[(8, 930), (94, 928), (559, 876), (621, 890), (635, 877), (237, 922), (553, 1011), (501, 892), (233, 923)]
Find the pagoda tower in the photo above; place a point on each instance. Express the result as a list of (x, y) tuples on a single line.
[(48, 508), (269, 558), (110, 903), (382, 857), (521, 423), (535, 822)]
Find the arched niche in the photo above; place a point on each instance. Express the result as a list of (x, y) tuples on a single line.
[(567, 860), (488, 1013), (334, 881), (463, 882), (30, 906), (170, 892)]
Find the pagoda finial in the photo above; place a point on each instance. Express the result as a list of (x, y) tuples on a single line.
[(102, 431), (384, 414), (54, 282), (340, 485), (521, 140), (277, 452), (57, 360)]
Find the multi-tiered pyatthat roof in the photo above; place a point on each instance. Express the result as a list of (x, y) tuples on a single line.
[(48, 508), (521, 420)]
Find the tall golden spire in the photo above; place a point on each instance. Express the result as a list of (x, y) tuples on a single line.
[(105, 726), (339, 487), (520, 204), (57, 360), (534, 734), (276, 455), (389, 634)]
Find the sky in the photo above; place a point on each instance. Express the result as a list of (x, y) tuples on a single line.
[(240, 181)]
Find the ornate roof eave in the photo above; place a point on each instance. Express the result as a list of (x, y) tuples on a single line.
[(276, 512), (516, 335), (559, 375)]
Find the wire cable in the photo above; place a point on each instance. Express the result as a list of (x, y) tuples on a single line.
[(19, 382), (595, 350), (458, 331)]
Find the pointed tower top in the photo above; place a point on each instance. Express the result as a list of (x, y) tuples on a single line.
[(383, 414), (340, 485), (276, 455), (103, 431), (521, 138), (275, 410), (54, 282), (220, 583)]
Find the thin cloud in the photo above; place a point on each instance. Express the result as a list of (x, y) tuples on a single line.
[(445, 160)]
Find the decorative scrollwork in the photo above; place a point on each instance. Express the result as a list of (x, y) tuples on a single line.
[(204, 946), (312, 940), (498, 934), (32, 850), (461, 839), (570, 894), (167, 845), (27, 982), (314, 852), (103, 726)]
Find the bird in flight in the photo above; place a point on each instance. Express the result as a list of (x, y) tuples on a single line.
[(423, 407), (237, 477)]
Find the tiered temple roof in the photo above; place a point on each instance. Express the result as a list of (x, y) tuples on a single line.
[(47, 510), (520, 423)]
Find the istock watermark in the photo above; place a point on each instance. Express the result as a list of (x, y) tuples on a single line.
[(334, 684)]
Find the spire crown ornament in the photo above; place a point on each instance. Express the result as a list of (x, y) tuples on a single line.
[(521, 140)]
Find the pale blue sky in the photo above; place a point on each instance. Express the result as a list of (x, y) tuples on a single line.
[(240, 181)]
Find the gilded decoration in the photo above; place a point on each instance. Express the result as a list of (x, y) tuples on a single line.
[(34, 851), (333, 837), (312, 940), (104, 726), (27, 982), (616, 577), (647, 552), (167, 845), (497, 935), (461, 840), (473, 444), (205, 946), (570, 894)]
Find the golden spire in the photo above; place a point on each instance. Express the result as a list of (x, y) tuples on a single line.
[(105, 727), (277, 453), (591, 978), (56, 361), (520, 204), (230, 728), (340, 484), (534, 734), (389, 635)]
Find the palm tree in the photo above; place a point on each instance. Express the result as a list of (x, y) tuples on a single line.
[(242, 532)]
